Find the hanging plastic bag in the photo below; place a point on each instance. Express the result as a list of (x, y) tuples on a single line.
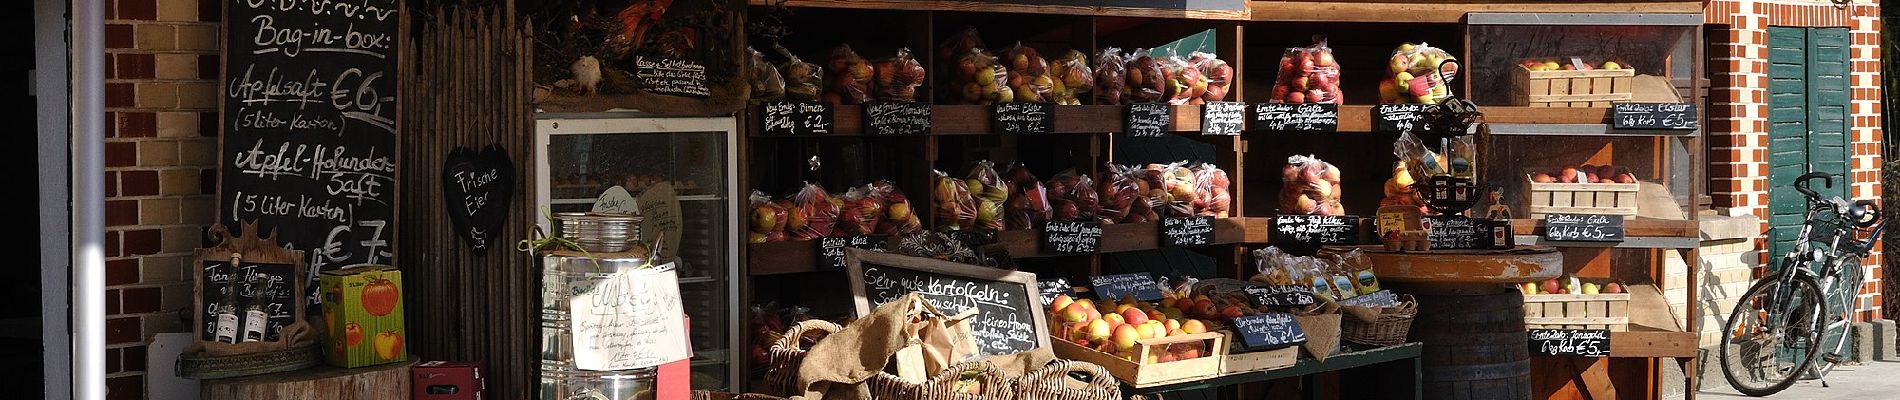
[(802, 79), (1308, 75), (955, 206), (1220, 76), (1072, 77), (1147, 80), (1110, 76), (767, 84), (898, 77), (768, 219), (899, 218), (813, 214), (850, 77), (1414, 75)]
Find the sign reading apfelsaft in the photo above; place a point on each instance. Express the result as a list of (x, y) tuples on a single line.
[(1147, 119), (1673, 116), (1187, 231), (1223, 118), (831, 249), (795, 118), (896, 118), (1050, 288), (1072, 236), (1114, 287), (1456, 232), (1570, 342), (1009, 317), (275, 282), (1398, 117), (1268, 331), (1280, 296), (309, 96), (1023, 118), (670, 77), (1583, 227), (1296, 117)]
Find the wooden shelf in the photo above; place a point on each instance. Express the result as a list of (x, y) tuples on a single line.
[(1239, 13), (799, 256), (1653, 331), (1639, 233), (952, 120), (1446, 11)]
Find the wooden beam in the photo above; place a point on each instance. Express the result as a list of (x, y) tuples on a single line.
[(1011, 7), (1447, 11)]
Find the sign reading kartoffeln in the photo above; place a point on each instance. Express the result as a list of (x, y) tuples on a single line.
[(1009, 316)]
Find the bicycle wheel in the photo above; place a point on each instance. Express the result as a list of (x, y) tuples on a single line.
[(1772, 335), (1843, 295)]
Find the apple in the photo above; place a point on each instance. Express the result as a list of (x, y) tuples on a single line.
[(1125, 336), (1061, 302), (1086, 303), (1625, 178), (1296, 97), (1193, 326), (1113, 320), (1157, 315), (1206, 310), (1192, 352), (1176, 332), (1590, 288), (388, 345), (1231, 312), (1135, 316), (1568, 175), (1172, 325), (1099, 330), (1541, 177), (1123, 307), (1167, 357), (379, 297), (1075, 312), (1613, 288), (352, 334), (1082, 342), (1590, 176), (1551, 286)]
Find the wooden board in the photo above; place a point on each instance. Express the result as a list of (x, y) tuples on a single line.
[(1076, 8), (389, 381), (1633, 227), (1446, 11), (954, 120)]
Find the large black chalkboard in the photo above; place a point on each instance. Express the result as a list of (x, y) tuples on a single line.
[(1009, 307), (1674, 116), (309, 127), (1570, 342), (216, 278)]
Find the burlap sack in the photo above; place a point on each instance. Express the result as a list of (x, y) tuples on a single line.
[(1320, 321), (837, 368)]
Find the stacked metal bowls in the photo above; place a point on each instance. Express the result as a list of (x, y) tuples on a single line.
[(599, 232)]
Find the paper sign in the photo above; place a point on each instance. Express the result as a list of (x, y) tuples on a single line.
[(628, 320), (660, 219)]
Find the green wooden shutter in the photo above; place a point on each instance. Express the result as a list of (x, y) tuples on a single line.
[(1828, 105), (1787, 134)]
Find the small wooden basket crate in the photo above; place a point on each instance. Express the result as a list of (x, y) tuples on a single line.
[(1577, 311), (1592, 88), (1144, 375), (1583, 198)]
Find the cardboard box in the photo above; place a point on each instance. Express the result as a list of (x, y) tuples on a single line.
[(448, 380), (362, 311)]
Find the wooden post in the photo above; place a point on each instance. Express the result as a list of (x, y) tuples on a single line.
[(388, 381)]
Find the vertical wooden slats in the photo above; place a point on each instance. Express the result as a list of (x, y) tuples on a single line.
[(467, 84)]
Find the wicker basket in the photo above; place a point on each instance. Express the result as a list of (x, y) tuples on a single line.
[(1052, 382), (709, 395), (991, 384), (784, 356), (1387, 325), (198, 366)]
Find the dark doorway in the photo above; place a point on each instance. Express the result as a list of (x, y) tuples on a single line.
[(20, 336)]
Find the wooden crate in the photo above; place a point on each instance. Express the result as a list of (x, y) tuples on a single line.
[(1577, 311), (1593, 88), (1261, 360), (1583, 198), (1145, 375)]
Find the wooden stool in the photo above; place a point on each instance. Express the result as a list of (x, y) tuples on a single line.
[(324, 382)]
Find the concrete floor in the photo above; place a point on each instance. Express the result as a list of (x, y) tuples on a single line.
[(1875, 380)]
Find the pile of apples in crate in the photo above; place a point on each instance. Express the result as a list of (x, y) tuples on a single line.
[(1116, 330), (1571, 64), (1585, 174), (1570, 285)]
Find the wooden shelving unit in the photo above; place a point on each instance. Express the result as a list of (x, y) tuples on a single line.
[(960, 120)]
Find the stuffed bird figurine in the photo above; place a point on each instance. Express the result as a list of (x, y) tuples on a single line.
[(587, 74)]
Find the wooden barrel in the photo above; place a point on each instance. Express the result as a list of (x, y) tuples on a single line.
[(1475, 346)]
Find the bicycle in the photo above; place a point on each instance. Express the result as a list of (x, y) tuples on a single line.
[(1780, 326)]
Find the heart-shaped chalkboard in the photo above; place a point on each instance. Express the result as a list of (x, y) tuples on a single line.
[(478, 188)]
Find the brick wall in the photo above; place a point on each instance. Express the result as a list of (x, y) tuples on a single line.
[(161, 148), (1738, 98)]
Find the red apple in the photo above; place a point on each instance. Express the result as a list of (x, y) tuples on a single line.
[(388, 345), (1551, 286), (352, 334), (1542, 178), (1613, 287), (379, 297), (1625, 178), (1193, 326), (1569, 175)]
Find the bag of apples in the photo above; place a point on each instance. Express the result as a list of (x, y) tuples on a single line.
[(1308, 75), (768, 219), (1029, 75), (1219, 75), (898, 77), (860, 213), (955, 207), (1072, 77), (813, 213), (1418, 75), (1072, 197), (802, 79), (898, 218), (1147, 79), (850, 77), (1110, 70)]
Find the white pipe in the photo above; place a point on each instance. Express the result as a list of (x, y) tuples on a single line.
[(88, 121), (49, 89)]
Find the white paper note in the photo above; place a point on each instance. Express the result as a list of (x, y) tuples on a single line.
[(629, 320)]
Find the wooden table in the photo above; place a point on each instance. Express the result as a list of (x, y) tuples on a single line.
[(1390, 360), (387, 381)]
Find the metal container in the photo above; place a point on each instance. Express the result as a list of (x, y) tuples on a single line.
[(599, 232), (560, 379)]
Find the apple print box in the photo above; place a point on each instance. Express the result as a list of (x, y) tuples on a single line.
[(362, 307)]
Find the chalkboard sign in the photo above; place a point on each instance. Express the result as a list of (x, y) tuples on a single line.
[(478, 188), (1023, 118), (831, 249), (1113, 287), (1570, 342), (1223, 118), (217, 278), (1187, 231), (1672, 116), (1456, 232), (1050, 288), (1296, 117), (1268, 331), (1315, 229), (1072, 236), (1009, 318), (795, 118), (309, 100), (1279, 296), (1398, 117), (1382, 298), (896, 118), (670, 77), (1147, 119), (1583, 227)]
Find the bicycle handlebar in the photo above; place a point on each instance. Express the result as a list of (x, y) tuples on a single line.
[(1801, 183)]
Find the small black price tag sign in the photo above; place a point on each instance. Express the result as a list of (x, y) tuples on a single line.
[(1280, 296), (1050, 288), (1114, 287), (1223, 118), (1398, 117), (1023, 118), (1570, 342), (1671, 116), (1072, 236), (831, 249), (1583, 227), (1187, 231), (670, 77), (796, 118), (1147, 119), (1269, 331), (897, 118), (1457, 233), (1296, 117)]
